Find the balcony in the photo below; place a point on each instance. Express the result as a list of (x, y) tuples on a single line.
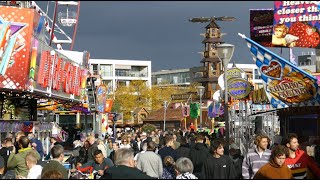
[(129, 73)]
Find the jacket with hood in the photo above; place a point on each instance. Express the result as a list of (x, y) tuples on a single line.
[(198, 154), (272, 170)]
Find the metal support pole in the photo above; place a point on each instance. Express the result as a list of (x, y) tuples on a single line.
[(226, 112), (164, 115), (200, 110), (85, 123)]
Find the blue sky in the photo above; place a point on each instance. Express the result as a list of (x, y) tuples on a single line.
[(159, 31)]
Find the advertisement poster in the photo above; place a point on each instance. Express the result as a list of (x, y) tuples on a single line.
[(239, 88), (101, 98), (261, 25), (286, 84), (296, 24), (16, 29)]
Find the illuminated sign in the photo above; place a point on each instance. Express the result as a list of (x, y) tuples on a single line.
[(239, 88), (58, 76)]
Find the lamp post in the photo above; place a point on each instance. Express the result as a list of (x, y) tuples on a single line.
[(225, 52), (164, 115), (200, 92)]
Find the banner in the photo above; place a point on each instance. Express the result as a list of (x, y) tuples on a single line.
[(296, 24), (109, 103), (285, 83), (101, 95), (194, 110), (16, 29), (261, 25)]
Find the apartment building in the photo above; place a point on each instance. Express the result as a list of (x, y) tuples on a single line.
[(121, 72)]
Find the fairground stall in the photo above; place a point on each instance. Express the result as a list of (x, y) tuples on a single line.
[(34, 75)]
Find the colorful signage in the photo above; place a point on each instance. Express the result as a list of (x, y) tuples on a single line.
[(101, 95), (186, 111), (296, 24), (57, 75), (239, 88), (286, 84), (109, 103), (235, 73), (16, 29), (261, 25)]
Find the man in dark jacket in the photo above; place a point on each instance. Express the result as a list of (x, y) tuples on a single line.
[(198, 154), (217, 165), (124, 167), (184, 149), (167, 150), (93, 147)]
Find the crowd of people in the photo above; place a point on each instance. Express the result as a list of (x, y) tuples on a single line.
[(155, 155)]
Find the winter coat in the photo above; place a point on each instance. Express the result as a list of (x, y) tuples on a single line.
[(167, 151), (183, 151), (198, 154), (218, 168)]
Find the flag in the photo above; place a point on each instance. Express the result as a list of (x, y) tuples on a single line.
[(293, 58), (286, 84), (194, 110)]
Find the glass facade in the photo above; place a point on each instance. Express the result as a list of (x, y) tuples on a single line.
[(172, 78), (106, 70)]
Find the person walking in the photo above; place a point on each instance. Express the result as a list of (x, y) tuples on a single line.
[(150, 162), (93, 146), (300, 163), (184, 149), (218, 165), (184, 169), (168, 150), (18, 161), (34, 169), (124, 167), (256, 157), (275, 169), (168, 168), (198, 154), (57, 153)]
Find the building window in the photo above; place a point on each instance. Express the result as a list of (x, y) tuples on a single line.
[(95, 69), (106, 70), (256, 74)]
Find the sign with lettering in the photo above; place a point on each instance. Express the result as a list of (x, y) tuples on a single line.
[(57, 75), (239, 88), (261, 25), (296, 24), (236, 73), (287, 84)]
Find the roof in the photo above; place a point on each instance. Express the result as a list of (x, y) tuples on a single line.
[(213, 24), (137, 110), (172, 114)]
